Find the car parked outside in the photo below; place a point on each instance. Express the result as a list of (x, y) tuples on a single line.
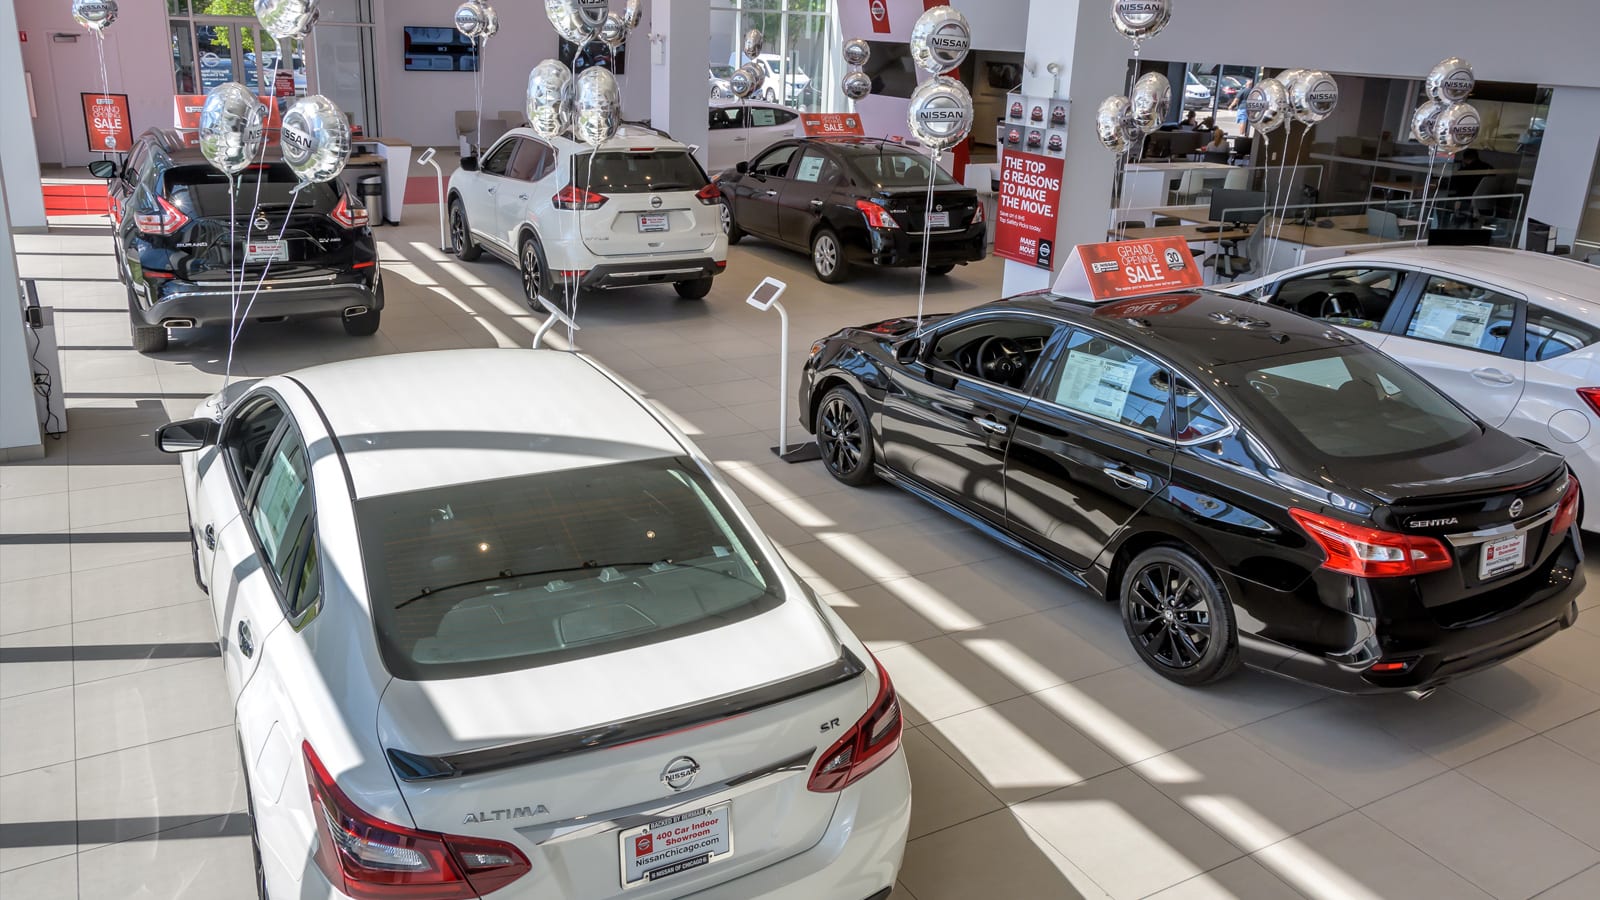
[(718, 79), (638, 210), (486, 639), (184, 249), (1249, 485), (854, 202), (741, 129), (1513, 336)]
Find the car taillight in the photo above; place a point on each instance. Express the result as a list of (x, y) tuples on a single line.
[(868, 743), (350, 216), (370, 859), (710, 195), (571, 197), (877, 216), (977, 217), (1591, 396), (1370, 553), (167, 219), (1567, 510)]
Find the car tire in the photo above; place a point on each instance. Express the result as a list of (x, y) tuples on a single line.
[(827, 257), (461, 233), (844, 437), (530, 263), (696, 289), (729, 226), (769, 95), (146, 338), (940, 271), (1169, 601)]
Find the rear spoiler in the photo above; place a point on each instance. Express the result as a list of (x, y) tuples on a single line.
[(417, 767)]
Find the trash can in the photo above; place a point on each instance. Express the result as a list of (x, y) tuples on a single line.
[(370, 190)]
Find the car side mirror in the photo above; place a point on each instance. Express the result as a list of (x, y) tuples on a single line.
[(469, 163), (742, 167), (103, 168), (908, 351), (187, 435)]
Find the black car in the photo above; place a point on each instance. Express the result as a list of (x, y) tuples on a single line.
[(853, 201), (1248, 484), (170, 227)]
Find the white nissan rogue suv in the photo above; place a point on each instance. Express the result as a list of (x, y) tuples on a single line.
[(640, 210)]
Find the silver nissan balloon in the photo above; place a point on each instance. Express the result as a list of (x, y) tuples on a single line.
[(940, 40), (1425, 123), (285, 19), (569, 21), (1457, 127), (857, 52), (549, 103), (1113, 123), (940, 115), (1266, 106), (230, 127), (597, 106), (315, 139), (856, 85), (1151, 98), (613, 31), (1140, 19), (1451, 79), (96, 15), (632, 14)]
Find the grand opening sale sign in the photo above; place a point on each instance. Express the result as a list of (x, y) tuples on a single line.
[(1028, 207)]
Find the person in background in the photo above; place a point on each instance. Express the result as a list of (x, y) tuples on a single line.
[(1188, 120), (1219, 141), (1463, 181), (1206, 124)]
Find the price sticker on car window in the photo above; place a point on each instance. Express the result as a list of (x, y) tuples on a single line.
[(1095, 385)]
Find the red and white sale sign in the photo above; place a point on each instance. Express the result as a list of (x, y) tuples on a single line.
[(1029, 205), (1118, 269), (831, 124), (105, 118)]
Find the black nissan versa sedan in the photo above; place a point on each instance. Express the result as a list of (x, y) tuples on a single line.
[(169, 218), (1248, 484), (853, 201)]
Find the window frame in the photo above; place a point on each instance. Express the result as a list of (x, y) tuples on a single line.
[(1406, 278), (545, 165), (792, 147), (1028, 390), (1400, 314), (1533, 310), (507, 141)]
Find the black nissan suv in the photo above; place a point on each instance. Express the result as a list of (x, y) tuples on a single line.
[(170, 225)]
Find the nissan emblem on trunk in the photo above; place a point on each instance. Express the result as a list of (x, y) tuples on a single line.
[(262, 224), (680, 773), (655, 201), (1516, 507)]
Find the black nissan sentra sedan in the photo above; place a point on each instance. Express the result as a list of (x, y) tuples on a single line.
[(853, 201), (1249, 485)]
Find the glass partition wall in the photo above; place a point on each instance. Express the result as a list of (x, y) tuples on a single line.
[(800, 52)]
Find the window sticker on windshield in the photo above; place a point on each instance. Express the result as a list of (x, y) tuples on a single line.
[(761, 118), (1451, 320), (279, 493), (810, 168), (1097, 386)]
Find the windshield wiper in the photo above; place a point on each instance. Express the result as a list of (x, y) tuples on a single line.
[(508, 575)]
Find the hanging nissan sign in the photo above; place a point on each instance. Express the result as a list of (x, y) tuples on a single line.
[(878, 12)]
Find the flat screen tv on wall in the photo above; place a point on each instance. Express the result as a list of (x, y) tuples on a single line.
[(594, 53), (439, 49)]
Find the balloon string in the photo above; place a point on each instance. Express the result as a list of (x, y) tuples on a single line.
[(927, 234), (1427, 186), (477, 86), (1281, 192), (105, 82), (244, 316), (233, 289)]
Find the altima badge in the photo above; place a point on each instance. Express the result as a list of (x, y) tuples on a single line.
[(1516, 507), (680, 773), (497, 815)]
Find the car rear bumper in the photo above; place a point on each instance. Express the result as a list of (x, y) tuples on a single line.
[(201, 303), (610, 276), (1544, 603), (896, 248)]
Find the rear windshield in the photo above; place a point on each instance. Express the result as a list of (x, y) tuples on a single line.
[(203, 191), (637, 172), (895, 168), (1348, 402), (503, 575)]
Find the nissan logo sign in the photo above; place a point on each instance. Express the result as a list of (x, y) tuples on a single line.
[(1138, 12), (949, 43), (878, 11), (1323, 96)]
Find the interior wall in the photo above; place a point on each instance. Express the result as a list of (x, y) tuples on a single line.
[(420, 107), (1567, 157)]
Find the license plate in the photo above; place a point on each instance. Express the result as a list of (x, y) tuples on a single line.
[(261, 251), (665, 848), (653, 222), (1501, 556), (939, 220)]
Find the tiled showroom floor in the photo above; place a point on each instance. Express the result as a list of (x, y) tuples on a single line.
[(1046, 762)]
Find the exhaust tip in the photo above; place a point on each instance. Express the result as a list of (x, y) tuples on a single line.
[(350, 312), (1423, 694), (177, 323)]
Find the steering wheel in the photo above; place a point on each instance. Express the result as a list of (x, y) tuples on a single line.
[(1002, 361), (1341, 304)]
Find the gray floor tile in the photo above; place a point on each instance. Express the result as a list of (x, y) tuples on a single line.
[(28, 479), (158, 786), (994, 856), (1355, 858), (166, 636), (38, 815), (948, 795), (1447, 725), (1548, 780), (1528, 694), (879, 618), (937, 678), (1335, 744), (1580, 735), (33, 661), (36, 730), (1583, 886), (35, 557), (1487, 839), (1242, 879), (209, 860), (1133, 715), (153, 705), (33, 514), (35, 603), (56, 879), (117, 590), (1018, 749), (126, 502)]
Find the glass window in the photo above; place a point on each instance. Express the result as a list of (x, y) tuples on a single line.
[(638, 173), (282, 505), (247, 436), (1106, 380), (1462, 314), (1196, 417), (1352, 297), (816, 168), (1001, 351), (724, 117), (784, 116), (305, 582), (183, 76), (530, 162), (204, 191), (763, 116), (499, 158), (1350, 402), (894, 167), (774, 163), (1548, 335), (501, 575)]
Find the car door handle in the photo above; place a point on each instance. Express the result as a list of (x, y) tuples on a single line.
[(1125, 478), (522, 196), (210, 537), (1490, 375), (772, 193), (990, 425), (489, 190), (246, 645), (816, 204), (741, 140)]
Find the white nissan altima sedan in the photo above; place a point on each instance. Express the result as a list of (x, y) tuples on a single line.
[(492, 627)]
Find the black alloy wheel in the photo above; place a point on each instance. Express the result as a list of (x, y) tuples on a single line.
[(844, 437), (461, 235), (532, 273), (1175, 614)]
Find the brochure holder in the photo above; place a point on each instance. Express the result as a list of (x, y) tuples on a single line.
[(426, 159), (765, 297)]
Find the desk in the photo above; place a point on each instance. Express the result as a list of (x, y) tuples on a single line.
[(395, 159), (1200, 215), (1145, 185), (1190, 233)]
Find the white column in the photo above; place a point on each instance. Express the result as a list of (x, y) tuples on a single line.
[(19, 425), (1566, 159), (17, 151), (1077, 35), (680, 47)]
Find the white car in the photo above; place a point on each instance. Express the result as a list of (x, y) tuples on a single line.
[(640, 210), (1508, 334), (740, 130), (794, 84), (482, 636)]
